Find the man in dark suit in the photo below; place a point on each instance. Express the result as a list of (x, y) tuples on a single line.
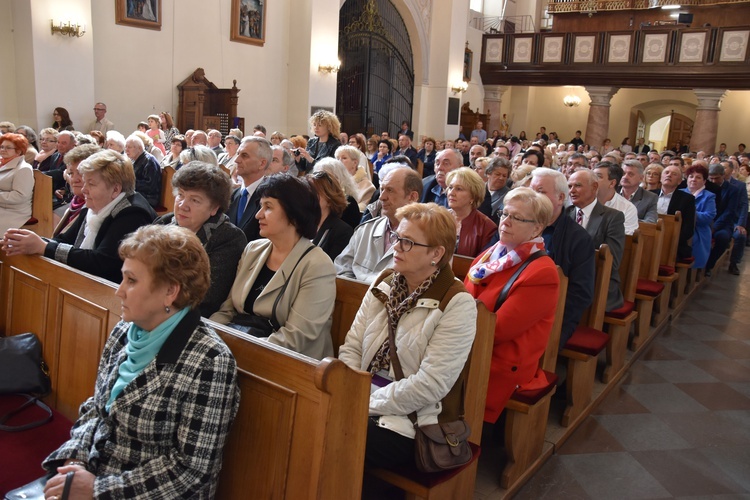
[(740, 233), (253, 158), (604, 225), (727, 214), (641, 147), (672, 200), (405, 148), (406, 130), (570, 246), (644, 201)]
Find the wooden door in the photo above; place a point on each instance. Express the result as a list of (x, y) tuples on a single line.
[(680, 129)]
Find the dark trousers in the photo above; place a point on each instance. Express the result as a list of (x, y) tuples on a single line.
[(738, 250), (386, 448), (721, 243)]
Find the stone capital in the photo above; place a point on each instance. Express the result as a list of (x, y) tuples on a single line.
[(600, 96), (709, 99), (494, 92)]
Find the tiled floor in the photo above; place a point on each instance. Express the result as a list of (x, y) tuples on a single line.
[(678, 425)]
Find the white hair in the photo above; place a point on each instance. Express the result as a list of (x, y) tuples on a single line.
[(337, 169)]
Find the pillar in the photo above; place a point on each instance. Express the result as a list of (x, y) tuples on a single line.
[(493, 98), (597, 126), (706, 123)]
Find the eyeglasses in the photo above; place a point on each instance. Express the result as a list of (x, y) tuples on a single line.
[(505, 215), (47, 140), (99, 109), (7, 148), (405, 243)]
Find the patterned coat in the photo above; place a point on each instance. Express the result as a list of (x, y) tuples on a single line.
[(164, 434)]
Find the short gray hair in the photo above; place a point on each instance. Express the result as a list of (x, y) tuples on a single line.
[(286, 156), (561, 183), (716, 169), (198, 153), (264, 147), (634, 164), (338, 170), (116, 137), (134, 139), (497, 162)]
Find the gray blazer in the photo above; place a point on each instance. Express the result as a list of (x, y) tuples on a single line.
[(304, 311), (364, 258), (645, 202)]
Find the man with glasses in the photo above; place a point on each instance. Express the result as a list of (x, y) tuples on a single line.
[(370, 249), (101, 123)]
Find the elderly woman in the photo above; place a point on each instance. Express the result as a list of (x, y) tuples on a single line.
[(705, 212), (176, 146), (428, 154), (146, 168), (201, 199), (148, 145), (231, 145), (433, 337), (62, 120), (285, 286), (524, 319), (277, 137), (115, 141), (333, 233), (351, 215), (133, 438), (652, 177), (350, 157), (16, 182), (113, 210), (466, 192), (48, 156), (199, 153), (326, 127), (73, 197), (30, 135)]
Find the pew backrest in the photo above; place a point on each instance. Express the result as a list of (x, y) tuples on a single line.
[(167, 193), (41, 205), (630, 265), (651, 240), (672, 226), (594, 315), (349, 296), (461, 265), (300, 431), (549, 358)]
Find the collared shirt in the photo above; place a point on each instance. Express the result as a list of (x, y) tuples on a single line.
[(251, 189), (586, 213), (440, 197), (662, 206), (628, 209)]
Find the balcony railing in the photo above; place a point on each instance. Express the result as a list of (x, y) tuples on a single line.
[(502, 25), (593, 6)]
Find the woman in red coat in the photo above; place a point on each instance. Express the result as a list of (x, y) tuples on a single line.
[(525, 318)]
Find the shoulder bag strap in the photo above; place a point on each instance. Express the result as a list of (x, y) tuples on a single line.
[(274, 320), (30, 400), (397, 366), (506, 289)]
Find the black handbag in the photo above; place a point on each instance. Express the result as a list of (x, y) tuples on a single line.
[(23, 371), (35, 489)]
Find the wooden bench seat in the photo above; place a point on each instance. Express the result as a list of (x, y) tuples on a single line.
[(166, 201), (668, 275), (41, 221), (296, 433), (648, 288)]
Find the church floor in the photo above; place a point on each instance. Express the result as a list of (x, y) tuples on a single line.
[(678, 423)]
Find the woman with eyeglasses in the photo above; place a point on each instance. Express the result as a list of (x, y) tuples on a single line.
[(16, 182), (333, 233), (285, 286), (433, 323), (62, 120), (176, 146), (524, 318), (48, 155), (466, 192)]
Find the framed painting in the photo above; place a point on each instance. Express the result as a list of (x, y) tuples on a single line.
[(248, 22), (619, 48), (655, 47), (584, 49), (493, 50), (553, 49), (693, 46), (734, 45), (139, 13)]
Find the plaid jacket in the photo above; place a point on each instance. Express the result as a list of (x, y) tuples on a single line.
[(164, 434)]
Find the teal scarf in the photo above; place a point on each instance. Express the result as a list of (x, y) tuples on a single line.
[(141, 349)]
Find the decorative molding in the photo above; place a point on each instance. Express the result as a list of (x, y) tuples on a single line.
[(494, 93), (709, 99), (601, 96)]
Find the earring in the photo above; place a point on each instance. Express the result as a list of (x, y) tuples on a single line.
[(166, 309), (433, 263)]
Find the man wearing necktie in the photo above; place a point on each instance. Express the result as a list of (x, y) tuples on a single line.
[(253, 158)]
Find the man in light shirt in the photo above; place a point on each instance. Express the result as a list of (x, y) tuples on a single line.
[(609, 175)]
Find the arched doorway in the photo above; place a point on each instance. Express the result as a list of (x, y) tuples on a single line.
[(375, 85)]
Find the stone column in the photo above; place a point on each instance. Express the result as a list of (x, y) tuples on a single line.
[(597, 126), (493, 98), (706, 123)]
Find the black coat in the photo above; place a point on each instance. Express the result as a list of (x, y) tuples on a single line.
[(333, 236)]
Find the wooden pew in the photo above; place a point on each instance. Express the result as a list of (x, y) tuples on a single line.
[(584, 346), (648, 288), (620, 320), (674, 291), (420, 168), (296, 433), (461, 266), (527, 414), (41, 221), (166, 202), (349, 295)]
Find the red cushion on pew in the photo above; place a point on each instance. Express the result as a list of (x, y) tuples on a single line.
[(31, 221), (587, 340), (22, 452), (648, 287), (432, 479), (533, 396), (666, 270), (687, 260), (622, 312)]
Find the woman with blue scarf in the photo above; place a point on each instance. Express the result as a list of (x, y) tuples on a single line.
[(166, 391)]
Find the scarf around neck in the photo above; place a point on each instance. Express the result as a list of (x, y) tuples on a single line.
[(94, 222), (499, 258), (141, 349)]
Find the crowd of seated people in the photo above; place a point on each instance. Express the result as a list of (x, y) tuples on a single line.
[(279, 219)]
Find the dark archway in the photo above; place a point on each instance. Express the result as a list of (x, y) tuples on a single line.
[(375, 85)]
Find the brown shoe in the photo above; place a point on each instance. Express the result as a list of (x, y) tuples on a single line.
[(733, 269)]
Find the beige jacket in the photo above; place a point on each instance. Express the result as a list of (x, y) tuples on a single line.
[(16, 193), (304, 311)]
